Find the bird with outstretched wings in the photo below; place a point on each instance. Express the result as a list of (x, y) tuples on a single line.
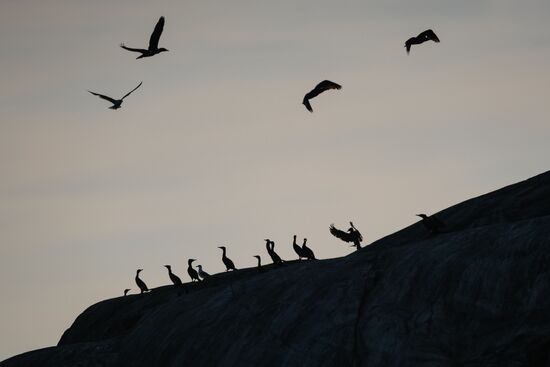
[(319, 88), (153, 42), (427, 35), (116, 102), (352, 235)]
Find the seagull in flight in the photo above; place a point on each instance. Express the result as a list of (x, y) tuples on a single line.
[(427, 35), (319, 88), (153, 42), (116, 102)]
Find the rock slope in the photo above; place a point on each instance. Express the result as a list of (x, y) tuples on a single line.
[(476, 295)]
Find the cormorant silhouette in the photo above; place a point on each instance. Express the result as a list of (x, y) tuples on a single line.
[(307, 252), (260, 267), (427, 35), (319, 88), (227, 261), (116, 102), (140, 283), (126, 291), (432, 223), (352, 235), (298, 249), (270, 246), (192, 272), (153, 42), (202, 273), (173, 277)]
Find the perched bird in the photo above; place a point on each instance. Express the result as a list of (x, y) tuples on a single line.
[(116, 102), (126, 291), (260, 267), (153, 42), (307, 252), (202, 273), (352, 235), (140, 283), (298, 249), (227, 261), (270, 246), (432, 223), (192, 272), (427, 35), (319, 88), (173, 277)]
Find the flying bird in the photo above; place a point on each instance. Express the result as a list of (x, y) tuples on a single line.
[(427, 35), (116, 102), (432, 223), (319, 88), (153, 42), (352, 235)]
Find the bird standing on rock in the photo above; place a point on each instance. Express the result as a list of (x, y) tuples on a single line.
[(202, 274), (173, 277), (298, 249), (140, 283), (192, 272), (307, 252), (432, 223), (227, 261), (352, 235)]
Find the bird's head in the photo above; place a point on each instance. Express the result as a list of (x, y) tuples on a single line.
[(167, 266), (199, 266), (139, 270), (221, 247), (305, 240), (267, 240), (423, 216), (190, 261), (257, 257)]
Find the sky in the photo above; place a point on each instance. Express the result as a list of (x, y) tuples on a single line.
[(216, 148)]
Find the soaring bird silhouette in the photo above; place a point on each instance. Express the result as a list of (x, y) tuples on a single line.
[(153, 42), (192, 272), (307, 252), (140, 283), (270, 247), (319, 88), (227, 261), (427, 35), (173, 277), (432, 223), (352, 235), (126, 291), (202, 273), (116, 102), (260, 267)]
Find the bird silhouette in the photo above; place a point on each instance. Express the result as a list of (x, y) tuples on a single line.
[(270, 247), (140, 283), (126, 291), (227, 261), (116, 102), (352, 235), (153, 42), (260, 267), (202, 273), (173, 277), (432, 223), (427, 35), (298, 249), (192, 272), (307, 252), (319, 88)]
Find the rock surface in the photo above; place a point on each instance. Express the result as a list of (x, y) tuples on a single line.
[(476, 295)]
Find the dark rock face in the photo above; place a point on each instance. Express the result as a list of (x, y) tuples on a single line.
[(475, 295)]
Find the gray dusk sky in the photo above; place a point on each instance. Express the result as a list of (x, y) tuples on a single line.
[(216, 148)]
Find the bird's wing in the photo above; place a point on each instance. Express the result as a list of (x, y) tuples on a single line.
[(307, 104), (344, 236), (130, 92), (112, 100), (155, 36), (326, 85), (408, 44), (140, 50), (430, 35)]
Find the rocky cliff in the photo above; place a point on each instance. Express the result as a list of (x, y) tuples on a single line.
[(476, 295)]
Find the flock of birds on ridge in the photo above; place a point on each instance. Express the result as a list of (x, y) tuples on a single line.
[(433, 224), (153, 49)]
